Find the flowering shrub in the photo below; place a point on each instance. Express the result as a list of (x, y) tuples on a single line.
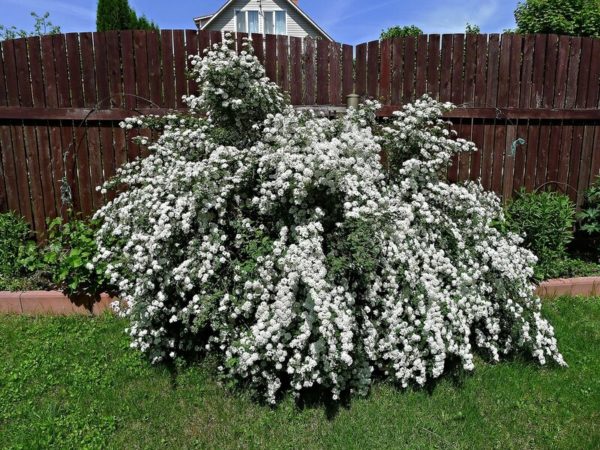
[(277, 241)]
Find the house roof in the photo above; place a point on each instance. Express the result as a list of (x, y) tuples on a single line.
[(212, 17)]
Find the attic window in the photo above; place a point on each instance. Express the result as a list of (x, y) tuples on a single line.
[(246, 21), (275, 22)]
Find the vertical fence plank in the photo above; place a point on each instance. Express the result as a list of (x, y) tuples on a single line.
[(562, 67), (271, 56), (409, 69), (141, 68), (102, 75), (527, 71), (296, 70), (573, 73), (29, 135), (538, 71), (361, 69), (479, 127), (458, 52), (493, 66), (41, 130), (335, 73), (323, 72), (168, 69), (128, 68), (397, 65), (372, 68), (67, 142), (113, 58), (433, 70), (309, 72), (470, 69), (283, 62), (421, 73), (259, 50), (385, 78), (504, 71), (455, 70), (91, 143), (347, 71), (516, 59), (216, 37), (550, 72), (11, 189), (446, 69), (180, 66), (154, 67)]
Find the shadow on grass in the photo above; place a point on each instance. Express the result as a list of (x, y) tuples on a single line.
[(318, 397)]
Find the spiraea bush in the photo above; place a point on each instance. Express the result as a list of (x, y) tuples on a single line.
[(276, 241)]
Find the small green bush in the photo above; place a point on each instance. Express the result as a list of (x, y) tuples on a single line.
[(64, 262), (69, 256), (589, 217), (17, 249), (546, 220)]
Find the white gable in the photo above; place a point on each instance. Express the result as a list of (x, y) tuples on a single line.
[(297, 24)]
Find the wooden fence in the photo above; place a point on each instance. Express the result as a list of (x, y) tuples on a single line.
[(530, 103)]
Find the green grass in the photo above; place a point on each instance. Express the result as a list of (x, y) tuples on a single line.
[(74, 383)]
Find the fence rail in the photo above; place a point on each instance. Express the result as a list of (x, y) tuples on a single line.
[(530, 103)]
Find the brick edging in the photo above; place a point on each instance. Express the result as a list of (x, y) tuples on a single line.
[(57, 303), (52, 303), (584, 286)]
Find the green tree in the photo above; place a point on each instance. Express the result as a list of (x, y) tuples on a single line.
[(118, 15), (398, 31), (572, 17), (41, 27), (472, 29)]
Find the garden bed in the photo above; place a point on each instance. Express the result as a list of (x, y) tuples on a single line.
[(57, 303)]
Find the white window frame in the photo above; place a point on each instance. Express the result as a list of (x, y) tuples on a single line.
[(262, 21), (246, 11)]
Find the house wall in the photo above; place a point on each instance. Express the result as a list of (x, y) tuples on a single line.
[(296, 24)]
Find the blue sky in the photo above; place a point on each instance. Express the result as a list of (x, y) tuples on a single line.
[(348, 21)]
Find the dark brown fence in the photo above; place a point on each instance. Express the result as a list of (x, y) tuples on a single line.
[(530, 103)]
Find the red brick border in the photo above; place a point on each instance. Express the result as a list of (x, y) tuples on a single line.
[(57, 303), (584, 286), (52, 303)]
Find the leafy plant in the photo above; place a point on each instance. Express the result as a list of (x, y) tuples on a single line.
[(472, 29), (14, 235), (398, 31), (546, 220), (589, 216), (42, 26), (70, 255), (572, 17)]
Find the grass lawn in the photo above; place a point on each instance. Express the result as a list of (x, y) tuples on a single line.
[(73, 383)]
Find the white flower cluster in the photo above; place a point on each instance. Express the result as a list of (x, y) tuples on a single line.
[(278, 241)]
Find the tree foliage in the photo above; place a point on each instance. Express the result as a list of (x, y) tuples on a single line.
[(472, 28), (42, 26), (398, 31), (118, 15), (571, 17)]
